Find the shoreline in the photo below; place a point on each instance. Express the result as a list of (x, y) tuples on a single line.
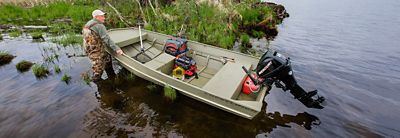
[(216, 24)]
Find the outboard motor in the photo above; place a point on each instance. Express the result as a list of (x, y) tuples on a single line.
[(274, 68)]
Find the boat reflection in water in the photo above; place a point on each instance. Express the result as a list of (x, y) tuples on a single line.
[(128, 108)]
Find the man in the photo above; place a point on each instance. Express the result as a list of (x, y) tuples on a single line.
[(95, 41)]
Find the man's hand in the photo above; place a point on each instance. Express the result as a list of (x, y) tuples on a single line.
[(119, 52)]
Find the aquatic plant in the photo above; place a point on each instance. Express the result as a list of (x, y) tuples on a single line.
[(23, 65), (49, 59), (5, 57), (37, 35), (39, 70), (66, 78), (86, 77), (152, 87), (169, 92), (15, 33), (56, 68), (68, 39), (130, 76)]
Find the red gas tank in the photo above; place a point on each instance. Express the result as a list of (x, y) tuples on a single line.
[(249, 86)]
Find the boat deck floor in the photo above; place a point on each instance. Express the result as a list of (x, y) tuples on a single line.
[(156, 59), (219, 81)]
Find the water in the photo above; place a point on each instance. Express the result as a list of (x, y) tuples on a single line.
[(345, 49), (349, 51)]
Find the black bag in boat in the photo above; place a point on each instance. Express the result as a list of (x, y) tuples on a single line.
[(187, 63)]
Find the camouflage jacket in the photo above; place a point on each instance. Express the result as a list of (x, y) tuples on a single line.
[(100, 29)]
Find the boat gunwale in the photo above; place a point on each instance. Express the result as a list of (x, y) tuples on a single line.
[(227, 50), (226, 101)]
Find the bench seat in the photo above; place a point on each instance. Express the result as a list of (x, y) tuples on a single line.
[(227, 82), (160, 61)]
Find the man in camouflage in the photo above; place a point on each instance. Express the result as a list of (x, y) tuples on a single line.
[(95, 41)]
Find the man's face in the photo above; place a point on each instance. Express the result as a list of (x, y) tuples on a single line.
[(101, 18)]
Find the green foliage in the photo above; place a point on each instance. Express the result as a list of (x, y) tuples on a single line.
[(258, 34), (37, 35), (78, 11), (5, 57), (130, 76), (68, 39), (152, 87), (169, 92), (23, 65), (66, 78), (15, 33), (1, 37), (245, 40), (39, 70), (56, 68)]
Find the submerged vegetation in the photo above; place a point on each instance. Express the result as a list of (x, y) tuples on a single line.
[(37, 35), (169, 92), (130, 76), (24, 65), (5, 57), (210, 22), (152, 87), (56, 68), (86, 77), (68, 39), (15, 33), (66, 78), (39, 70)]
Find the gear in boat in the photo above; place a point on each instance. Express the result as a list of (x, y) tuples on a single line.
[(272, 68)]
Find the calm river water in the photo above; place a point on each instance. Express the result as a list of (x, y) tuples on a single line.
[(348, 50)]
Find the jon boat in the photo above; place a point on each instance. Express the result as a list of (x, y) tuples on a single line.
[(219, 80)]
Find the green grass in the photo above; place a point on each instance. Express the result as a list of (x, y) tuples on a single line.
[(37, 35), (56, 69), (39, 70), (245, 41), (169, 92), (15, 33), (46, 14), (5, 57), (68, 39), (206, 23), (257, 34), (66, 78), (23, 65)]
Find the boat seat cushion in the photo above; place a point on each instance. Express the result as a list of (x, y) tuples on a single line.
[(126, 37), (227, 81)]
